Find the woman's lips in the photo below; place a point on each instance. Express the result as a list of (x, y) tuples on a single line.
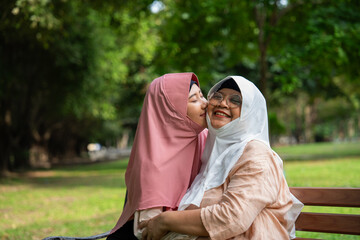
[(219, 113)]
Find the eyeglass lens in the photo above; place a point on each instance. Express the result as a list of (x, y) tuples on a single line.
[(232, 101)]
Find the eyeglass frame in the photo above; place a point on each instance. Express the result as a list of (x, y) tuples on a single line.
[(227, 99)]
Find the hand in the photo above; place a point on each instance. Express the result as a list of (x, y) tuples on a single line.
[(154, 228)]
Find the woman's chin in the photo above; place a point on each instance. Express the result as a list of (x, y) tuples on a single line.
[(201, 122), (204, 124), (218, 123)]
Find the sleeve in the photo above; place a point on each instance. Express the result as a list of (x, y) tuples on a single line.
[(254, 184)]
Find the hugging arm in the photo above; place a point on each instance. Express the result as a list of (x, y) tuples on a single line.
[(186, 222)]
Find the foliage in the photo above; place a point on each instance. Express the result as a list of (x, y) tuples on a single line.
[(322, 40), (63, 65), (276, 127), (73, 72)]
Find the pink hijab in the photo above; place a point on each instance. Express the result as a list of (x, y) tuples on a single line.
[(165, 157)]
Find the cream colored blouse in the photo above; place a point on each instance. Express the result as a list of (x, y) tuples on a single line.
[(252, 202)]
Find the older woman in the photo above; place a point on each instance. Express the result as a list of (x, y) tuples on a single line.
[(241, 191), (165, 157)]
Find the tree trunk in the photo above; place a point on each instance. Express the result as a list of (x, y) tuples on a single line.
[(310, 118), (4, 141), (263, 70), (308, 125), (123, 143), (266, 18), (351, 128), (298, 132), (260, 15), (4, 159)]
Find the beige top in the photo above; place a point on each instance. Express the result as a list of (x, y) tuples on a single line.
[(252, 202)]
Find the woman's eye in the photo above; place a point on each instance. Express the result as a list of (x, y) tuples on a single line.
[(217, 97), (235, 100)]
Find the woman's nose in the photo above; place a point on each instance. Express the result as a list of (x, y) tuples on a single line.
[(224, 103)]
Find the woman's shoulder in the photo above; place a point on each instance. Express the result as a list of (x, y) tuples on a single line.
[(255, 157), (258, 147), (257, 151)]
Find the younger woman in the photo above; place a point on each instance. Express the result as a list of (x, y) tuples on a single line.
[(165, 156)]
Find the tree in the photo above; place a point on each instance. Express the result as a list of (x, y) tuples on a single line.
[(63, 63), (77, 71), (287, 48), (315, 59)]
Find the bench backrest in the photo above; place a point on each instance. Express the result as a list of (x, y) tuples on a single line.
[(328, 222)]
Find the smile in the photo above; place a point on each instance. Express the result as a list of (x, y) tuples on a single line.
[(221, 114)]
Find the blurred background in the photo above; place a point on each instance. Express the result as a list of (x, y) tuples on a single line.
[(75, 72), (73, 75)]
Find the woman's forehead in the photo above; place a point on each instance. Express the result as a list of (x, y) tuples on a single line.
[(194, 89)]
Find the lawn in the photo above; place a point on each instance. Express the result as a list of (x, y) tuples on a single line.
[(319, 151), (87, 199)]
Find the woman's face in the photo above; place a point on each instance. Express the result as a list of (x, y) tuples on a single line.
[(196, 107), (222, 114)]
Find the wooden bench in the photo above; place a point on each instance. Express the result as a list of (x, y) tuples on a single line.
[(328, 222), (312, 222)]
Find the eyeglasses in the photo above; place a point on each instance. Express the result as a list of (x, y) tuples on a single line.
[(233, 101)]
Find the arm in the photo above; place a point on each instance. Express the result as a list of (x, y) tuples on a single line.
[(186, 222), (143, 215)]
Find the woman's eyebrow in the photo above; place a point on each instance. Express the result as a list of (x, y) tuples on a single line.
[(224, 94), (192, 95)]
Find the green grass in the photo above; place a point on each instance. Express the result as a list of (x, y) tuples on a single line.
[(86, 200), (319, 151), (76, 201), (325, 173)]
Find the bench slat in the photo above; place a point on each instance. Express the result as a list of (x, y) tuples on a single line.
[(330, 223), (336, 197)]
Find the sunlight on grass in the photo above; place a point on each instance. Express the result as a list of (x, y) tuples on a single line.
[(79, 201), (324, 173), (319, 151)]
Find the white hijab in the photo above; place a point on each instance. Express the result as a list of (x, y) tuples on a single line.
[(225, 145)]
